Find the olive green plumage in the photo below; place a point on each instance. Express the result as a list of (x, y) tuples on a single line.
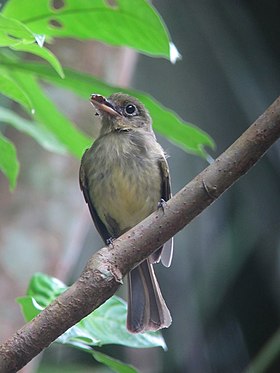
[(124, 175)]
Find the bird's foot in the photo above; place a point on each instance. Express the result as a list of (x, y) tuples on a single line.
[(162, 204), (110, 242)]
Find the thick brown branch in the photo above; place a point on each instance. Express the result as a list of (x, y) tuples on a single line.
[(104, 272)]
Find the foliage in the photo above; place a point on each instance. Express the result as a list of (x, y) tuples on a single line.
[(26, 28), (105, 325)]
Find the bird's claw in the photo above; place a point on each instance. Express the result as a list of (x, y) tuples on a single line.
[(110, 242), (162, 204)]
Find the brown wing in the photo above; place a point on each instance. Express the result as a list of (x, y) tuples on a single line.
[(165, 179), (96, 219), (164, 253)]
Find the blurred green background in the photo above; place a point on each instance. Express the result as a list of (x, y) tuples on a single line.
[(223, 286)]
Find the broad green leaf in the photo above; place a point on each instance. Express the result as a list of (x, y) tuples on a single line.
[(166, 122), (29, 307), (39, 133), (116, 365), (45, 111), (8, 160), (108, 325), (105, 325), (41, 291), (14, 32), (47, 114), (43, 53), (19, 37), (9, 88), (133, 23), (44, 289)]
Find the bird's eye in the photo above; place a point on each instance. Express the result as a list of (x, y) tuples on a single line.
[(130, 109)]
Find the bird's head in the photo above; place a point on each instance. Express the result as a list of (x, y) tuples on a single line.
[(121, 112)]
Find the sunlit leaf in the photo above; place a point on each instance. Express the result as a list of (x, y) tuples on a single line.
[(43, 53), (8, 160), (47, 113), (11, 89), (44, 289), (29, 307), (14, 32), (19, 37), (133, 23)]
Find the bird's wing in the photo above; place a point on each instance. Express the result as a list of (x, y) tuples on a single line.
[(164, 253), (165, 179), (102, 230)]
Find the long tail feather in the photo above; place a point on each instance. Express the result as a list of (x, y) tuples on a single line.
[(146, 307)]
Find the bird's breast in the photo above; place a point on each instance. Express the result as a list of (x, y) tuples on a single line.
[(125, 185)]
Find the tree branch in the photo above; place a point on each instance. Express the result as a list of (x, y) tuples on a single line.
[(105, 270)]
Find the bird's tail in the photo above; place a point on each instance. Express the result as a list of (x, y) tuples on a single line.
[(146, 307)]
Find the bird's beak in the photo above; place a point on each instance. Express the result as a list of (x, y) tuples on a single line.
[(102, 104)]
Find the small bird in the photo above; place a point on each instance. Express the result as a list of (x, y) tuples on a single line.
[(124, 177)]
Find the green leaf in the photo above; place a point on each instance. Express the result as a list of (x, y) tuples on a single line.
[(133, 23), (47, 113), (183, 134), (43, 53), (9, 88), (39, 133), (8, 160), (13, 32), (116, 365), (44, 289), (20, 38), (105, 325), (166, 122), (29, 307)]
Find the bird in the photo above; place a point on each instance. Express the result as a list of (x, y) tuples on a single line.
[(124, 177)]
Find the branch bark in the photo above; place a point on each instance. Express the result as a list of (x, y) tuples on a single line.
[(105, 270)]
